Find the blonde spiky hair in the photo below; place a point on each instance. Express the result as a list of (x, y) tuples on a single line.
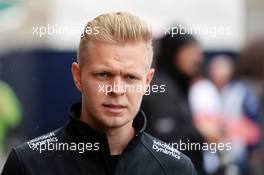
[(117, 28)]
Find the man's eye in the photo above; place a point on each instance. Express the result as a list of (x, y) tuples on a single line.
[(131, 77), (103, 74)]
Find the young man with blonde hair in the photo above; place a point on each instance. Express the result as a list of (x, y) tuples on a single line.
[(105, 134)]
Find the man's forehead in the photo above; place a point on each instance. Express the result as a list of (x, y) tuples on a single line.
[(116, 68), (128, 49), (116, 55)]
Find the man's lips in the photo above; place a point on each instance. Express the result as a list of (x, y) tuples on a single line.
[(114, 108)]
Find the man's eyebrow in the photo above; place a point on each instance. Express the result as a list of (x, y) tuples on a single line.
[(132, 73), (114, 71)]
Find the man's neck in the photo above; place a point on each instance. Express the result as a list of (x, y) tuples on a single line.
[(118, 138)]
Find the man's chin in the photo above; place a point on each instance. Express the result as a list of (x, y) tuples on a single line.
[(114, 122)]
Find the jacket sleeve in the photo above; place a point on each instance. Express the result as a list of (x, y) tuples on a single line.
[(13, 166)]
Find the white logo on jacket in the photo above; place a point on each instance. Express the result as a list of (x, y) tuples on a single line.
[(166, 149)]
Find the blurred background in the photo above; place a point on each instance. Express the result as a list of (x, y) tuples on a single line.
[(214, 71)]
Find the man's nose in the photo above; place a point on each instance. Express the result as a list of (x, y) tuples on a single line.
[(117, 86)]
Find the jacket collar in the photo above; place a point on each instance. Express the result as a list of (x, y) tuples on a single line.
[(82, 131)]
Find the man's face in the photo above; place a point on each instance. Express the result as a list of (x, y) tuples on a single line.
[(220, 71), (189, 59), (105, 67)]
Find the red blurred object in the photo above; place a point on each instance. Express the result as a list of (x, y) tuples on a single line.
[(233, 127)]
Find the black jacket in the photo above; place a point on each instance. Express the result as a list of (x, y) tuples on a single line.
[(144, 155)]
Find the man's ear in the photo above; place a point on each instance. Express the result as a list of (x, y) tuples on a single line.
[(150, 75), (76, 74)]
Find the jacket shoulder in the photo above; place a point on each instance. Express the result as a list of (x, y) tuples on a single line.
[(28, 154), (35, 143), (172, 159), (32, 152)]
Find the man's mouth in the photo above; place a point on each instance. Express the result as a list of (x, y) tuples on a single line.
[(114, 108)]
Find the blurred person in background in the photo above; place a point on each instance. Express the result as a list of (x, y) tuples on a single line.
[(250, 69), (170, 118), (229, 106)]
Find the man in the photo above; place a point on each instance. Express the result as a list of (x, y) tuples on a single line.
[(115, 51)]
